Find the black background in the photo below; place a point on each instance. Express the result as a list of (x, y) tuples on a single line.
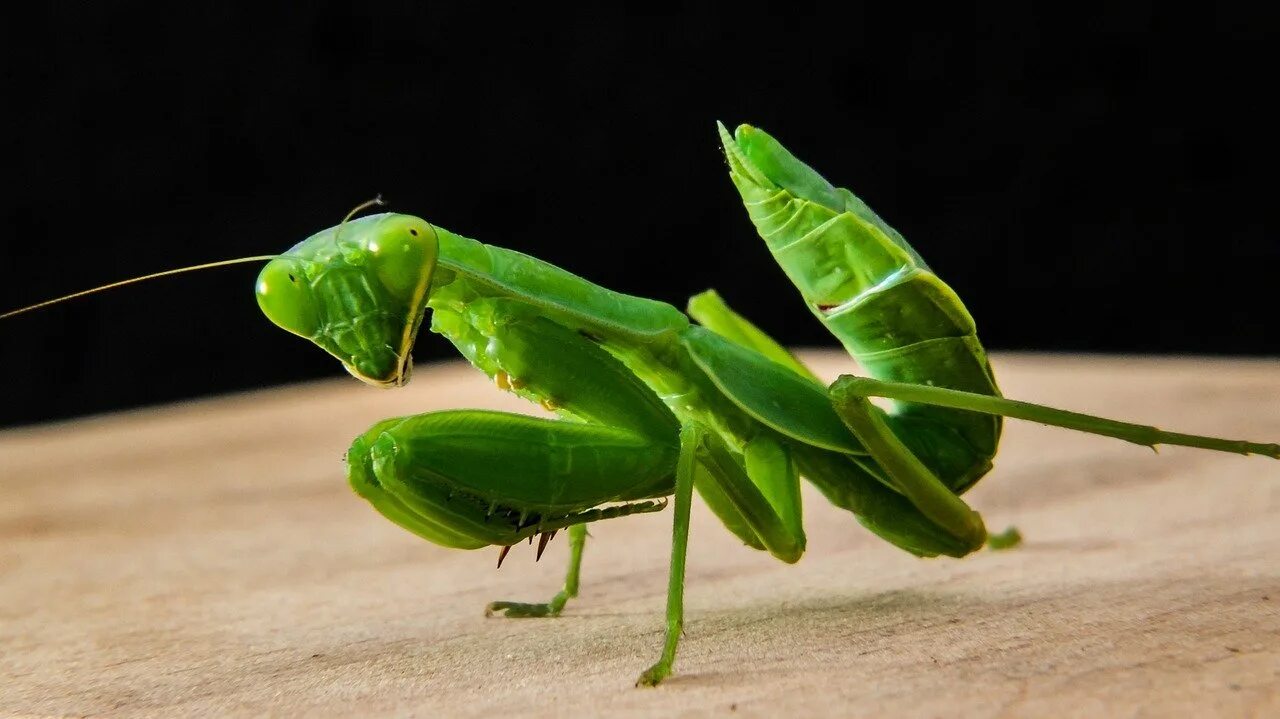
[(1085, 182)]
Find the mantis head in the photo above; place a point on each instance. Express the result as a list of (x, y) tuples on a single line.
[(358, 291)]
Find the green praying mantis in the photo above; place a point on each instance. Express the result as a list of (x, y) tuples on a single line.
[(651, 405)]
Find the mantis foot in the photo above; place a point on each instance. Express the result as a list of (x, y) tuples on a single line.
[(654, 675), (520, 610), (1008, 539)]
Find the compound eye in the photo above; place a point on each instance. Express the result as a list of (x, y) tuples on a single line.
[(403, 255), (285, 298)]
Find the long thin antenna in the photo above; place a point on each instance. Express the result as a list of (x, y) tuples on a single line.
[(144, 278), (375, 202)]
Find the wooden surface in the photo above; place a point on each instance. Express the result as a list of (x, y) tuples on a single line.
[(208, 559)]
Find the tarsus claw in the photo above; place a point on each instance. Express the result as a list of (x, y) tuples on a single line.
[(653, 675)]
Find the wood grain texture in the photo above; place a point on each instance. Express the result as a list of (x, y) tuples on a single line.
[(209, 559)]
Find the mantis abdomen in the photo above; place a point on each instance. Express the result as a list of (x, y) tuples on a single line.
[(872, 291)]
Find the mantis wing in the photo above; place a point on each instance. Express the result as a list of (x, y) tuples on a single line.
[(773, 394), (711, 312)]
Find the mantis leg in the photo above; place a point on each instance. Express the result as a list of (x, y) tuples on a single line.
[(757, 493), (475, 478), (849, 387), (685, 468), (761, 487), (911, 477), (577, 540), (546, 362), (856, 485)]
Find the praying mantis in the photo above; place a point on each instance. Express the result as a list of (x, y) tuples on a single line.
[(653, 403)]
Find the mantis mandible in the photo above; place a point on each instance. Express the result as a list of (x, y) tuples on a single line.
[(653, 406)]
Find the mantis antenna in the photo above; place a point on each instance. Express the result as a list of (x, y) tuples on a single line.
[(376, 201), (143, 278)]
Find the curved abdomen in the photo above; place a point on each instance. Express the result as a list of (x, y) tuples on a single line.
[(872, 291)]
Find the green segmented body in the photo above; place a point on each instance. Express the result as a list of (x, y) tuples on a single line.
[(875, 294), (651, 406), (654, 340), (661, 372), (698, 375), (635, 374)]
